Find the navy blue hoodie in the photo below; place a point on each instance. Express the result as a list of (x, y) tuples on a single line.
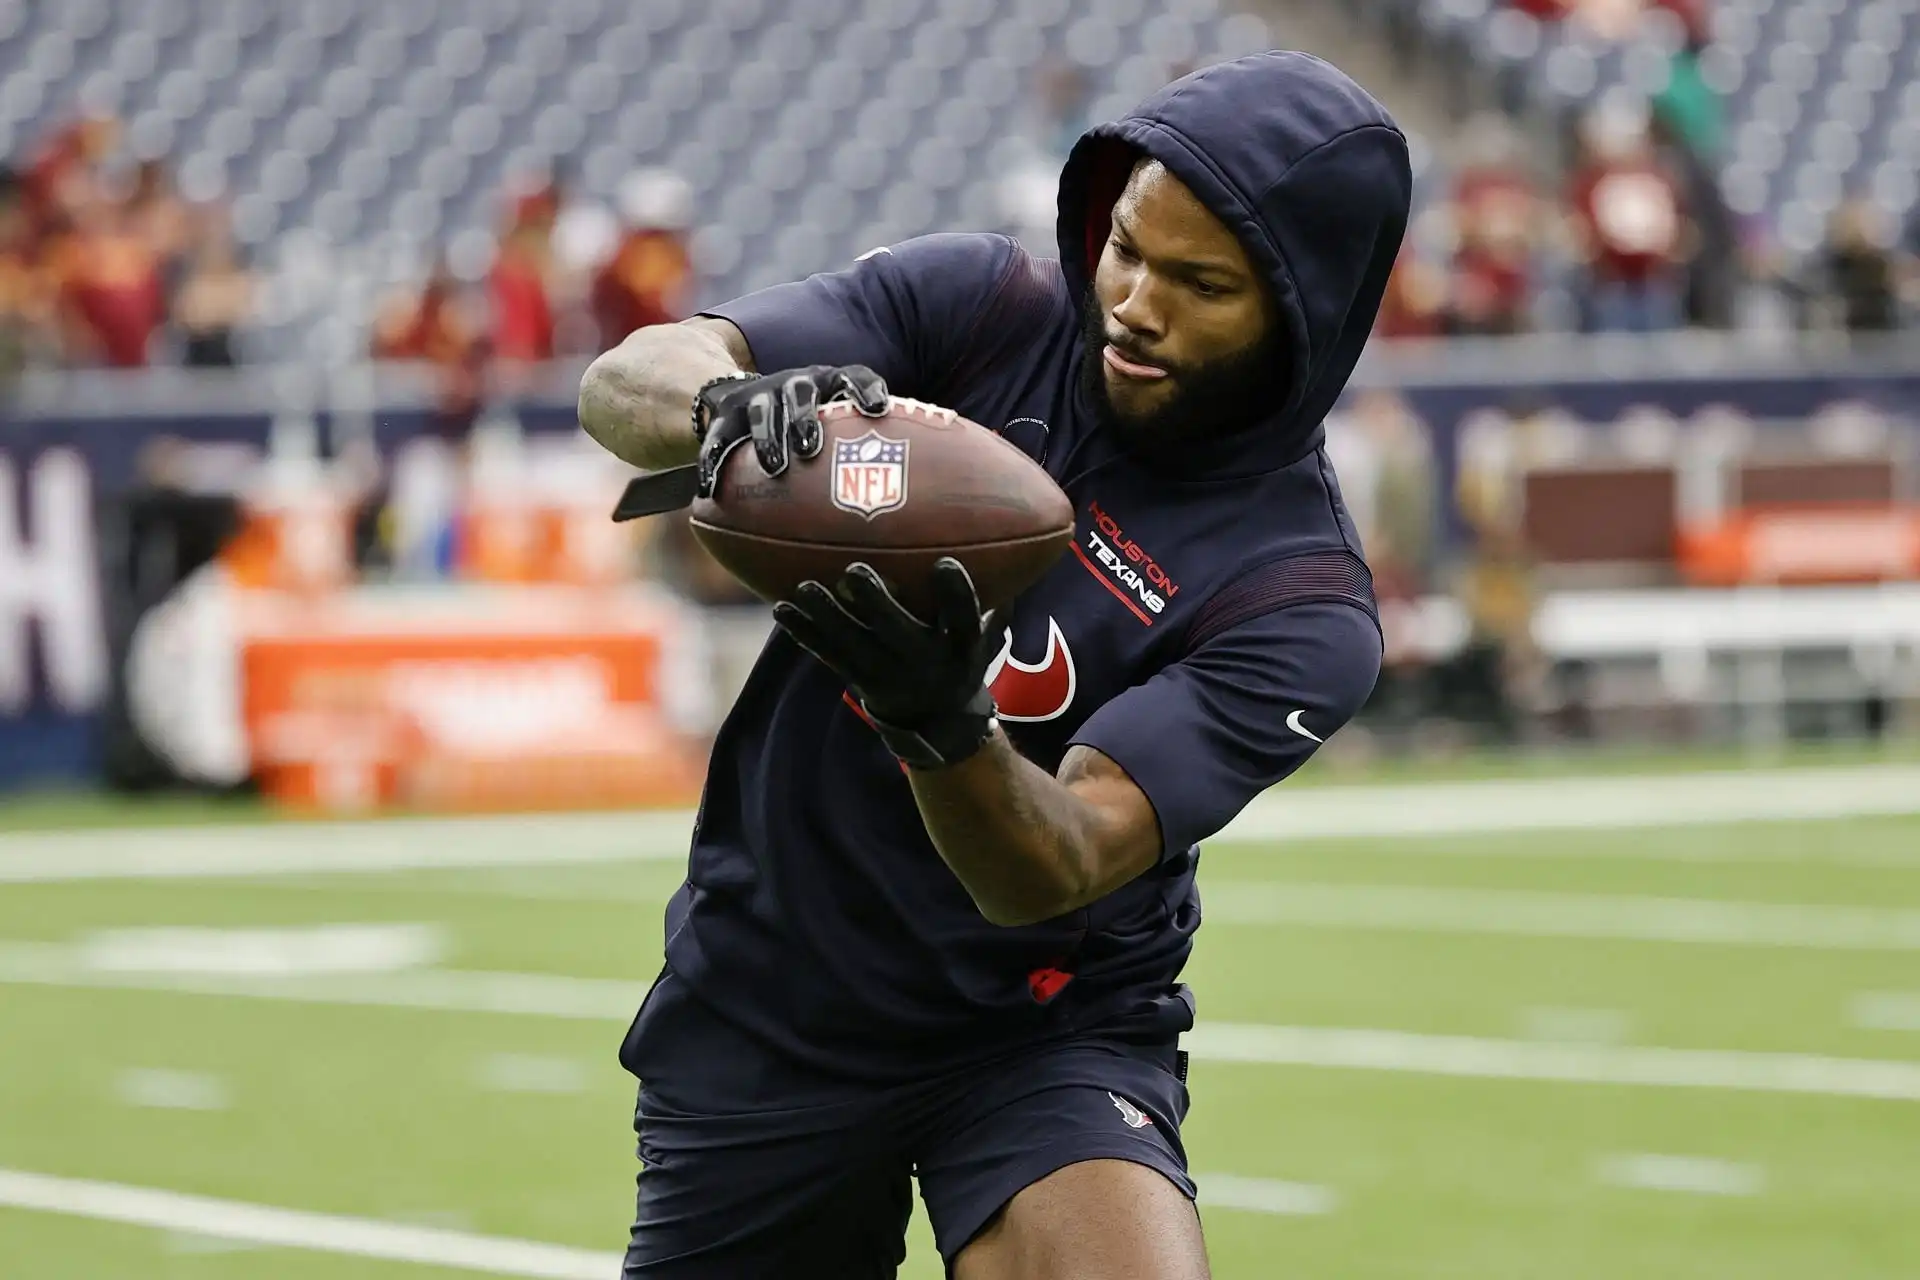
[(1213, 623)]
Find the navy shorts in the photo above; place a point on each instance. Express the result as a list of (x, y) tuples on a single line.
[(755, 1169)]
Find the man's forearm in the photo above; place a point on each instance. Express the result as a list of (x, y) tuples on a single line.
[(1029, 846), (636, 400)]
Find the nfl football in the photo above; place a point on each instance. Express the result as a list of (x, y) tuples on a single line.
[(897, 492)]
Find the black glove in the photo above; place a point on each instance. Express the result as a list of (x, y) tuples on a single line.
[(778, 412), (923, 686)]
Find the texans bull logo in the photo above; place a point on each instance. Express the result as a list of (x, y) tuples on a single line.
[(1023, 691), (1028, 691)]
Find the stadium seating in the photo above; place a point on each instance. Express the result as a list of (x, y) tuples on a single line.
[(356, 135), (1822, 96)]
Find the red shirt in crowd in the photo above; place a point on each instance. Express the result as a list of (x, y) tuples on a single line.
[(1411, 305), (522, 312), (113, 295), (643, 283), (1631, 215), (1494, 211)]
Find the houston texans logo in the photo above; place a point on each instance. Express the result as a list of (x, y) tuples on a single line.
[(1033, 691)]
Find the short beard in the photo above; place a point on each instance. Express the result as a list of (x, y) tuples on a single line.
[(1209, 403)]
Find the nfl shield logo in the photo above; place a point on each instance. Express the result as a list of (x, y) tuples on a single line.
[(869, 474)]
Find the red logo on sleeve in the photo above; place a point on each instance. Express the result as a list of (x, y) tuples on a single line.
[(1033, 691)]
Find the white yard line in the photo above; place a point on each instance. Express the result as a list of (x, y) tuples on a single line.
[(1690, 1175), (1563, 804), (296, 1229), (1264, 1195), (518, 994), (1330, 812), (1885, 1011), (606, 1000), (297, 848), (264, 1225), (1560, 915), (1406, 1051)]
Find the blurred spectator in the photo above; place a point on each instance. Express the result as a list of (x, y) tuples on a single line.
[(64, 174), (1859, 275), (1692, 111), (157, 214), (1415, 299), (433, 326), (1714, 270), (585, 234), (1481, 685), (517, 289), (1382, 456), (1610, 19), (1696, 20), (650, 273), (1062, 99), (28, 329), (1495, 450), (1628, 225), (1384, 461), (214, 299), (112, 295), (1495, 211)]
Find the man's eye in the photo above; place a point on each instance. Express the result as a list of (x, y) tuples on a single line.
[(1124, 251), (1206, 290)]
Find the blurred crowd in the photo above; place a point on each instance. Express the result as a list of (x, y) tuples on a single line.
[(1632, 232), (103, 263), (565, 276)]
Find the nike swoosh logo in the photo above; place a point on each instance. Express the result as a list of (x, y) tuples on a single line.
[(1034, 691), (1293, 723), (886, 249)]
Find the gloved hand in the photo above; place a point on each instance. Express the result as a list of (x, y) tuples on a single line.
[(923, 685), (778, 412)]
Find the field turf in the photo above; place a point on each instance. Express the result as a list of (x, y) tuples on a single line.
[(1421, 1056)]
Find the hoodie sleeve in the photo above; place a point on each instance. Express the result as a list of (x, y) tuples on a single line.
[(906, 311), (1240, 712)]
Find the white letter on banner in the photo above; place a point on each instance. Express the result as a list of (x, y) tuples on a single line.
[(52, 577)]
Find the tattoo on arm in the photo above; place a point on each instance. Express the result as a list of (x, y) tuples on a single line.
[(636, 400), (1124, 822), (1029, 846)]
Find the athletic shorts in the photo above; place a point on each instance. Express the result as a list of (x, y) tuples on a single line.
[(754, 1168)]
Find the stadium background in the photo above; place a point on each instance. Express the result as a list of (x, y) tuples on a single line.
[(1591, 946)]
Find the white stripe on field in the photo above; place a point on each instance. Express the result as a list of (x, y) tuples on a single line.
[(1693, 1175), (291, 848), (1407, 1051), (1425, 809), (519, 994), (295, 1229), (1886, 1011), (209, 1219), (1561, 915), (1549, 804), (1263, 1195), (602, 999)]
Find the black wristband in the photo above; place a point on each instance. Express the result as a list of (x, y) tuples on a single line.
[(943, 741), (701, 413)]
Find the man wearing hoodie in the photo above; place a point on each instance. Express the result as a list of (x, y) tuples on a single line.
[(966, 969)]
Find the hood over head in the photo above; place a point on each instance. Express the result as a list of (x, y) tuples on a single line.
[(1309, 172)]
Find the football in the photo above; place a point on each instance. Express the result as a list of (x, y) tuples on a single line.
[(898, 492)]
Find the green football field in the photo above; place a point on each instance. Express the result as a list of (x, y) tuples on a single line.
[(1666, 1028)]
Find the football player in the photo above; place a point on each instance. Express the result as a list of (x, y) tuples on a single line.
[(967, 970)]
